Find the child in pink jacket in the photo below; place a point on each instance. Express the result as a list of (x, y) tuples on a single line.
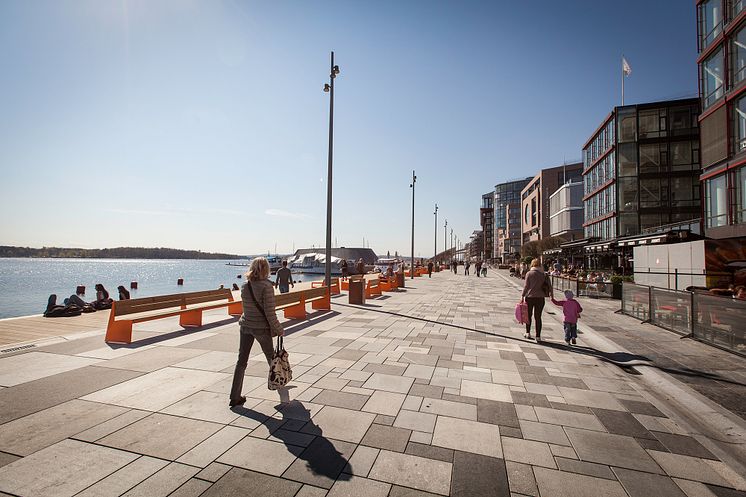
[(571, 310)]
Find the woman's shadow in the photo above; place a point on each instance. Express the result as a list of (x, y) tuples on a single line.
[(321, 458)]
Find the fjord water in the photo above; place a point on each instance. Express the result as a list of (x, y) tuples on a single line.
[(25, 284)]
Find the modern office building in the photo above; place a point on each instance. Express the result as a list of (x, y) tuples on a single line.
[(566, 211), (640, 172), (476, 245), (507, 230), (535, 199), (721, 30), (486, 216)]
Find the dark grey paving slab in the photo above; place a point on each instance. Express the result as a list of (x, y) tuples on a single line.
[(349, 354), (509, 431), (584, 468), (382, 419), (497, 413), (474, 474), (386, 437), (681, 444), (725, 492), (244, 483), (530, 399), (161, 435), (621, 423), (443, 362), (37, 395), (653, 444), (321, 463), (638, 484), (430, 452), (607, 448), (459, 398), (6, 458), (639, 407), (341, 399), (430, 391), (192, 488)]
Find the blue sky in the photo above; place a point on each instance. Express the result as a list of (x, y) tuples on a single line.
[(202, 124)]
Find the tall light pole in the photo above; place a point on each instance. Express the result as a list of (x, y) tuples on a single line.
[(453, 253), (329, 88), (414, 180), (445, 237), (435, 254)]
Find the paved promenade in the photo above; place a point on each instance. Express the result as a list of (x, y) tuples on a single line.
[(429, 391)]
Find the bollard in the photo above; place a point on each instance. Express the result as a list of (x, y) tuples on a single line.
[(238, 276), (80, 290), (180, 281), (133, 285)]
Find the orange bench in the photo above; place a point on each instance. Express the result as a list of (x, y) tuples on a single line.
[(294, 303), (373, 288), (346, 283), (387, 284), (188, 306)]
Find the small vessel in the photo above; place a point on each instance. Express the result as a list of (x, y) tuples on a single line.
[(313, 263), (382, 264), (275, 263)]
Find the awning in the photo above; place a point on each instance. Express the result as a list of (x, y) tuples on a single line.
[(578, 243), (644, 240), (600, 247)]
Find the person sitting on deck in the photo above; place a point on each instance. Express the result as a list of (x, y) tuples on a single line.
[(103, 301), (124, 294), (55, 311)]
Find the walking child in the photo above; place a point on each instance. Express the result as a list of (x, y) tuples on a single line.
[(571, 310)]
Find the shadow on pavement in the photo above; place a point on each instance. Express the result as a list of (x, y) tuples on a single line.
[(154, 340), (311, 319)]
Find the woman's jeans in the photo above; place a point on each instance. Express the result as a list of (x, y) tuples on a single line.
[(535, 306), (247, 340)]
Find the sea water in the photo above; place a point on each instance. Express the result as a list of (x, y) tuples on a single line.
[(25, 284)]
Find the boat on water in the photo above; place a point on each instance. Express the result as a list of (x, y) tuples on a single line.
[(313, 263), (275, 263), (382, 264)]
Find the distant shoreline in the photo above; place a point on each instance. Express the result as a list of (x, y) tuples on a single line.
[(113, 253)]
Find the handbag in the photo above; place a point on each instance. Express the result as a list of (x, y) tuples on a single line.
[(272, 331), (279, 368), (521, 312)]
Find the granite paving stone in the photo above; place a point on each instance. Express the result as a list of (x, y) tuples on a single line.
[(264, 456), (528, 452), (357, 486), (213, 472), (431, 391), (497, 413), (584, 468), (521, 479), (386, 437), (543, 432), (192, 488), (529, 399), (152, 359), (321, 463), (430, 451), (412, 471), (568, 418), (341, 399), (560, 484), (161, 435), (702, 470), (621, 423), (607, 448), (419, 421), (164, 482), (639, 407), (449, 408), (468, 436), (340, 424), (361, 461), (207, 451), (389, 383), (243, 483), (386, 403), (207, 406), (311, 491), (213, 360), (397, 491), (22, 368), (419, 371), (125, 478), (638, 484), (687, 446), (110, 426), (475, 474)]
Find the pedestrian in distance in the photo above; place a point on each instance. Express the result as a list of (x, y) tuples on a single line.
[(284, 278), (466, 268), (535, 290), (360, 266), (478, 268), (345, 269), (258, 322), (430, 269), (571, 310)]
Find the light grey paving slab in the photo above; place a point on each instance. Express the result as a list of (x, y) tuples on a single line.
[(21, 368), (107, 427), (62, 469), (213, 472), (528, 452), (412, 403), (484, 390), (386, 403), (525, 412), (694, 488), (419, 371), (311, 491), (340, 424), (192, 488), (152, 359), (36, 431), (389, 383), (164, 481), (521, 479), (412, 471), (418, 421), (161, 435), (591, 398), (702, 470), (543, 432), (563, 451), (261, 455), (207, 406), (560, 484), (124, 479), (358, 486), (157, 390), (467, 436), (244, 483), (449, 408), (361, 461), (568, 418), (214, 360), (607, 448), (207, 451), (639, 484)]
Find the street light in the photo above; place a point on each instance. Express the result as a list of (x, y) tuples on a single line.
[(329, 88), (414, 180), (445, 237), (435, 254)]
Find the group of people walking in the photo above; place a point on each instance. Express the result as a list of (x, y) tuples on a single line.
[(480, 268)]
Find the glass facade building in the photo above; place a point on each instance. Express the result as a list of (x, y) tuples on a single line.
[(641, 169), (721, 42), (507, 203), (486, 219)]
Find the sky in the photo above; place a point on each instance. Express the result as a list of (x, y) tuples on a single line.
[(203, 125)]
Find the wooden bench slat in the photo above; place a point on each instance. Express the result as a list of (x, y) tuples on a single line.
[(147, 304)]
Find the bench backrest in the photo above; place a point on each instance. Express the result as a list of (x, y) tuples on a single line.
[(373, 282), (314, 293), (288, 298), (145, 304)]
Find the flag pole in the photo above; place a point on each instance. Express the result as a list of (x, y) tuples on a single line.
[(622, 80)]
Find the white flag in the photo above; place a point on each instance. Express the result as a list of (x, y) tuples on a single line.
[(625, 67)]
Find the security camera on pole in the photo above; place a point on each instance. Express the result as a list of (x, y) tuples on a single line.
[(329, 88)]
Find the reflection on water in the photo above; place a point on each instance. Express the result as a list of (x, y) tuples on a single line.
[(25, 284)]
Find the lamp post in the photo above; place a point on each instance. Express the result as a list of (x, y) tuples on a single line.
[(453, 252), (435, 254), (414, 180), (329, 88), (445, 237)]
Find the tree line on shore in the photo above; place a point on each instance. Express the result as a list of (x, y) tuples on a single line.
[(112, 253)]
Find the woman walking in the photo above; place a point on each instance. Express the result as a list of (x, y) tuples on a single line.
[(535, 290), (258, 322)]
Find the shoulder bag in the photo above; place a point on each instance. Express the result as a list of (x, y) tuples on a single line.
[(272, 330), (279, 367)]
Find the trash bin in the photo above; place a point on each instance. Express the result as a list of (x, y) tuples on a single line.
[(400, 280), (357, 291)]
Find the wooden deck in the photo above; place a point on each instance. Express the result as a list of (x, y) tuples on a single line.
[(31, 328)]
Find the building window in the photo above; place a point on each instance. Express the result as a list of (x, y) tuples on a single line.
[(627, 125), (736, 8), (628, 159), (712, 78), (650, 123), (716, 201), (739, 112), (710, 21), (738, 51), (740, 195), (650, 158)]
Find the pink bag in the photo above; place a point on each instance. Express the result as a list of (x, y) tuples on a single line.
[(521, 312)]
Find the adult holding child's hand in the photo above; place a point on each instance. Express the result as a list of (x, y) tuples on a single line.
[(535, 290)]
